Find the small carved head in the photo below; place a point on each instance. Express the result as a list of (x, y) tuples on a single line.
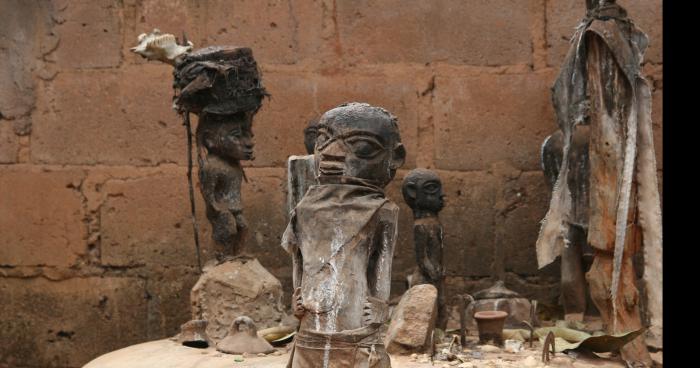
[(310, 133), (357, 140), (422, 191), (227, 136)]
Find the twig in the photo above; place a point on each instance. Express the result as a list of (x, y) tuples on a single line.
[(188, 127)]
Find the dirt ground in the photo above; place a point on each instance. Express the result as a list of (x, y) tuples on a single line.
[(167, 353)]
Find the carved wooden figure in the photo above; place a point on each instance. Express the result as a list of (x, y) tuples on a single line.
[(225, 140), (422, 191), (223, 86), (341, 237), (576, 256), (601, 85)]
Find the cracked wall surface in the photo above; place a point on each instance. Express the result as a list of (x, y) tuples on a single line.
[(96, 244)]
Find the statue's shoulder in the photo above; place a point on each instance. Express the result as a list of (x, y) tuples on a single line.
[(389, 210)]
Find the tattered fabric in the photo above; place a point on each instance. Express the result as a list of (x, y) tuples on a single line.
[(609, 29)]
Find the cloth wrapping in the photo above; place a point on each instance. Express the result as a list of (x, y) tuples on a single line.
[(611, 28)]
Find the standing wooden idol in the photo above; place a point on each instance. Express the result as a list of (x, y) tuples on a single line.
[(341, 237), (601, 85), (422, 191)]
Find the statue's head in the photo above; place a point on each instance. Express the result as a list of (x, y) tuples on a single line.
[(422, 191), (357, 140), (227, 136), (310, 133)]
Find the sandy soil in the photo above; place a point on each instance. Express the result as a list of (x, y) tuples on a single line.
[(168, 354)]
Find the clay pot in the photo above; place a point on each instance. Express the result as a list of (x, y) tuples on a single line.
[(490, 324), (193, 334), (239, 342)]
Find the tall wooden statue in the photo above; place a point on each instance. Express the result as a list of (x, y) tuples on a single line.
[(601, 85), (341, 237), (422, 191)]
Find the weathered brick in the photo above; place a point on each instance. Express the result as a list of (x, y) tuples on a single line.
[(21, 36), (147, 221), (466, 32), (279, 125), (264, 201), (524, 202), (89, 32), (487, 118), (109, 117), (396, 92), (564, 15), (271, 28), (68, 323), (41, 217), (9, 143), (168, 294)]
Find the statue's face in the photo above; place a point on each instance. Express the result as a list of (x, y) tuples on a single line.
[(237, 142), (359, 144), (231, 137), (428, 194)]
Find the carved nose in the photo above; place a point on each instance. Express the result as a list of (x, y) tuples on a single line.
[(334, 152)]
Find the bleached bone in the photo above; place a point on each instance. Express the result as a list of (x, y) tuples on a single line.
[(160, 46)]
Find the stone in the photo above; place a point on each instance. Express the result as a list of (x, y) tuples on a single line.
[(124, 118), (280, 31), (41, 217), (492, 118), (489, 348), (236, 288), (284, 117), (89, 32), (9, 143), (454, 31), (67, 323), (530, 361), (147, 220), (413, 321), (25, 37), (513, 346), (522, 204)]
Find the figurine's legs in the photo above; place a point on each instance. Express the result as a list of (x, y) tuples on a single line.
[(573, 283), (241, 237), (628, 319), (441, 321)]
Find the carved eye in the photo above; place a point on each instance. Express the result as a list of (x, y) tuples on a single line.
[(321, 138), (364, 148), (431, 187), (235, 133)]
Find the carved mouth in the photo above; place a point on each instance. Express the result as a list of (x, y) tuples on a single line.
[(331, 168), (249, 155)]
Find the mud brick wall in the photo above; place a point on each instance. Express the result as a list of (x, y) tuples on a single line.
[(96, 249)]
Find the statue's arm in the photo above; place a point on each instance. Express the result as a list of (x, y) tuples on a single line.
[(291, 245), (423, 240), (385, 252), (376, 310)]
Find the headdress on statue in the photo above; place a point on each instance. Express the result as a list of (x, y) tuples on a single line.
[(218, 80)]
